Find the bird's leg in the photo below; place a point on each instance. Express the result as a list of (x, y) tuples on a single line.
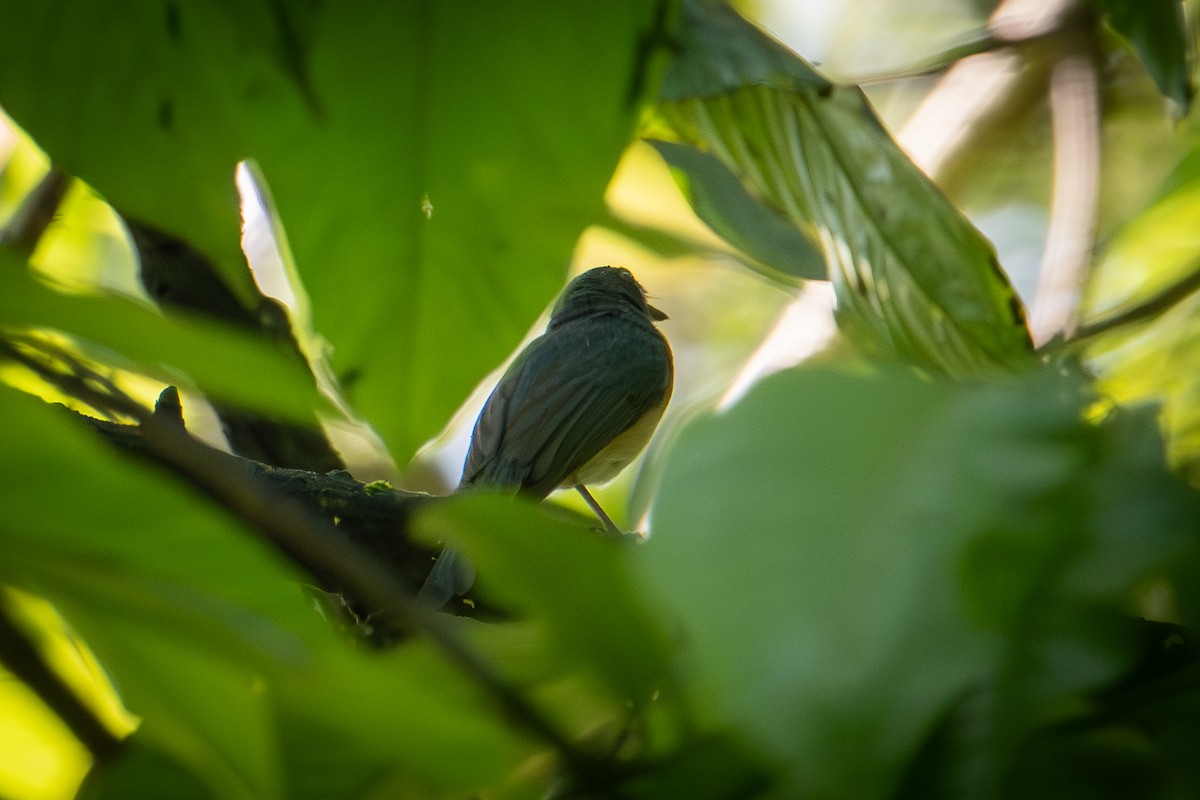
[(610, 528)]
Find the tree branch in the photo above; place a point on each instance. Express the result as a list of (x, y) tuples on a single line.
[(374, 517), (979, 92), (1070, 239), (324, 547), (177, 276)]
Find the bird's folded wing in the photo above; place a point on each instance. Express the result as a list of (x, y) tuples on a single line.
[(568, 397)]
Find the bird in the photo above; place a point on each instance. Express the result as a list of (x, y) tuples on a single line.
[(576, 405)]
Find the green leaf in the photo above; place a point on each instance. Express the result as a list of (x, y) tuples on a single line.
[(566, 577), (914, 279), (1149, 358), (401, 719), (713, 768), (846, 574), (224, 362), (209, 639), (142, 772), (1158, 32), (432, 176), (745, 221), (132, 565)]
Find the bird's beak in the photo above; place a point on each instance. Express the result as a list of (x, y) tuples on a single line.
[(655, 314)]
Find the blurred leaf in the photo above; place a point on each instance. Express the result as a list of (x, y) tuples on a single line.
[(208, 637), (432, 176), (566, 576), (86, 246), (142, 772), (1155, 248), (847, 573), (1158, 32), (403, 718), (1134, 742), (226, 363), (147, 594), (743, 220), (22, 167), (1150, 358), (716, 768), (40, 757), (913, 277)]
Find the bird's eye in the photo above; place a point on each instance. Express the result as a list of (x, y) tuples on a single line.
[(624, 273)]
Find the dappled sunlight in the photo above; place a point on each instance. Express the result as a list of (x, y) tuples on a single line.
[(39, 758)]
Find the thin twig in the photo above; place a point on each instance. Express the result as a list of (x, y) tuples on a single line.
[(1141, 312), (988, 41), (107, 399)]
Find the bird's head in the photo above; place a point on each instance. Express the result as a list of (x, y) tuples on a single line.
[(603, 289)]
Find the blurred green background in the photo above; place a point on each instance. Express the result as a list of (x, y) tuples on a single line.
[(417, 183)]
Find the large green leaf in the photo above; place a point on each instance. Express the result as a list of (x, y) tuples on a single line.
[(144, 771), (432, 175), (851, 555), (913, 277), (209, 639)]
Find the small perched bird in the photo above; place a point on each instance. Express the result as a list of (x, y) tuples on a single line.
[(574, 408)]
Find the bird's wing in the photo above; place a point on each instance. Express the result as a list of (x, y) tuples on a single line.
[(564, 400), (488, 461)]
